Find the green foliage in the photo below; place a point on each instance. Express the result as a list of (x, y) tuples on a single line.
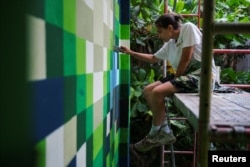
[(228, 75), (231, 11), (143, 15), (140, 77), (143, 39)]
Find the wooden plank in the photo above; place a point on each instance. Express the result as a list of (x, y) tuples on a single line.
[(188, 104), (227, 109)]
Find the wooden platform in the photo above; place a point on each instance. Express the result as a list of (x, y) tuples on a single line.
[(229, 115)]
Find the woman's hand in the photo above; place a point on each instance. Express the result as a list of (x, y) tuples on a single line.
[(125, 49)]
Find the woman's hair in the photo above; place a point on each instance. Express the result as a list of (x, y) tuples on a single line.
[(166, 19)]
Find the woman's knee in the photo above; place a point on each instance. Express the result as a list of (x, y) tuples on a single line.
[(147, 91), (157, 94)]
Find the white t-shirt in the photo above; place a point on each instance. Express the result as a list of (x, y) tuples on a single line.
[(189, 35)]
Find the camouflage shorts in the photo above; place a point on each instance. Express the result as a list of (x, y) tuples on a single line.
[(185, 84)]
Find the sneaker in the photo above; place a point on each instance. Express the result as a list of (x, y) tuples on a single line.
[(165, 138), (149, 142)]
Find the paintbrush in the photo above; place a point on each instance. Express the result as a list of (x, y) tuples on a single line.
[(117, 49)]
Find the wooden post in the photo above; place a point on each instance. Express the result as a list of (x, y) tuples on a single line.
[(205, 94)]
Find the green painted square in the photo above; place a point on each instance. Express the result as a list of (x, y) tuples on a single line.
[(69, 97), (36, 8), (89, 122), (125, 31), (41, 151), (106, 98), (124, 62), (111, 65), (124, 76), (69, 54), (116, 159), (112, 134), (124, 135), (89, 148), (98, 140), (108, 162), (53, 12), (116, 149), (80, 56), (98, 161), (69, 15), (106, 104), (117, 28), (89, 89), (106, 82), (117, 10), (81, 93), (117, 141), (124, 91), (81, 129), (54, 51)]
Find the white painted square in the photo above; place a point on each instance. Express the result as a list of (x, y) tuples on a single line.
[(36, 48), (89, 57), (97, 86), (111, 19), (105, 12), (108, 124), (125, 43), (70, 140), (55, 149), (105, 59), (81, 156), (98, 30), (89, 3)]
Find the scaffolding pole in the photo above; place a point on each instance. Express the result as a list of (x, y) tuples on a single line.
[(205, 94), (229, 28)]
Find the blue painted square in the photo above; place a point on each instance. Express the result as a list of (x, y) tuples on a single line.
[(72, 163), (47, 106)]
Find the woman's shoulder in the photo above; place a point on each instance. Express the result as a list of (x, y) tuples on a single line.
[(189, 25)]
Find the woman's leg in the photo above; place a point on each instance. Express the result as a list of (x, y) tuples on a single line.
[(147, 92), (157, 101), (158, 135)]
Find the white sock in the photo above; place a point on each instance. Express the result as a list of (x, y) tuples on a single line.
[(165, 122), (154, 129), (165, 128)]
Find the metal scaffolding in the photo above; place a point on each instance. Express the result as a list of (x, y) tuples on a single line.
[(209, 29)]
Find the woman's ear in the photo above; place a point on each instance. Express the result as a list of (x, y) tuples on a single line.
[(170, 27)]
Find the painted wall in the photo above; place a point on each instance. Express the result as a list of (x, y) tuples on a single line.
[(79, 87)]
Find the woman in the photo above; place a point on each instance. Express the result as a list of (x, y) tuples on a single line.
[(182, 48)]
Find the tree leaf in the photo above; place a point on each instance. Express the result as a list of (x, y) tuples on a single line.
[(141, 107)]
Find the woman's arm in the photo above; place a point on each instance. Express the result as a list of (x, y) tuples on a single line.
[(186, 56), (150, 58)]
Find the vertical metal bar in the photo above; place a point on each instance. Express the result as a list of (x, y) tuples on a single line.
[(199, 13), (171, 145), (194, 150), (164, 61), (162, 155), (165, 6), (205, 94), (164, 74)]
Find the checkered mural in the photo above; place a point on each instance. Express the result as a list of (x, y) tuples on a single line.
[(79, 85)]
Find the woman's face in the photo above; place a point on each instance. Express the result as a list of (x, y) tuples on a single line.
[(164, 34)]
